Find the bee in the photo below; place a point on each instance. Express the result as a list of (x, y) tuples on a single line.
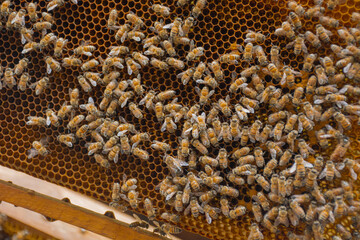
[(282, 217), (84, 49), (248, 52), (51, 118), (75, 62), (206, 160), (297, 209), (47, 40), (93, 148), (340, 209), (112, 20), (277, 131), (122, 32), (23, 82), (223, 106), (170, 217), (176, 63), (197, 9), (275, 117), (136, 35), (259, 52), (161, 10), (186, 75), (216, 69), (255, 131), (159, 64), (194, 207), (42, 26), (252, 36), (47, 17), (19, 21), (328, 65), (118, 50), (36, 121), (269, 167), (229, 191), (262, 182), (235, 128), (194, 52), (323, 33), (9, 25), (75, 122), (39, 85), (86, 66), (155, 40), (135, 110), (95, 135), (346, 35), (343, 232), (298, 44), (329, 21), (136, 21), (132, 198), (312, 39), (225, 133), (5, 8), (30, 46), (295, 19), (211, 213), (54, 4), (26, 35), (342, 120), (297, 8), (128, 184), (152, 50), (286, 30), (139, 223), (230, 58), (60, 43), (38, 148), (289, 126), (315, 11), (241, 112), (261, 199), (340, 150), (169, 125), (161, 146), (326, 213), (199, 71), (304, 123), (329, 171), (84, 84), (52, 65), (311, 84), (309, 62)]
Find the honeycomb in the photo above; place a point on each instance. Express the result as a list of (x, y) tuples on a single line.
[(221, 24)]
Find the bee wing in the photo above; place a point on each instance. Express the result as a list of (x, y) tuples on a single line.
[(353, 173), (168, 26), (32, 153), (283, 79), (307, 164), (290, 45), (304, 48), (293, 168), (199, 207), (300, 127), (347, 67), (48, 68), (323, 173), (280, 32), (208, 218), (163, 127)]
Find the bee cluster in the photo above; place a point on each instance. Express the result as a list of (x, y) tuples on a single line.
[(271, 154)]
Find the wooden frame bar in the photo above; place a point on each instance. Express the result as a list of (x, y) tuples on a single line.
[(70, 213)]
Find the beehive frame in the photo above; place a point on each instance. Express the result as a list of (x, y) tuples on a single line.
[(221, 24)]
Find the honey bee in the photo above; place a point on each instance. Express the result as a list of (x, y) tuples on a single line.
[(230, 58), (128, 184), (47, 17), (84, 84), (5, 8), (60, 43), (26, 35), (315, 11), (112, 20), (261, 199), (206, 160), (241, 112), (295, 19), (82, 131), (341, 208), (135, 110), (36, 121), (215, 68), (19, 20), (256, 37), (140, 153), (9, 25), (136, 35), (275, 117), (194, 52), (304, 123), (309, 62), (329, 21), (277, 131), (176, 63), (346, 35), (223, 106), (30, 46), (42, 26), (323, 33), (47, 40), (255, 131), (86, 66), (340, 149), (259, 52), (312, 39), (122, 32), (54, 4), (235, 128), (161, 146), (169, 125), (194, 207), (342, 120), (152, 50), (38, 148), (52, 65), (136, 21), (23, 82), (84, 49), (161, 10), (298, 44), (329, 171), (262, 182), (328, 65), (297, 8), (159, 64), (94, 147), (51, 118), (96, 136), (216, 126), (297, 209), (170, 217), (269, 167), (39, 85), (132, 198), (225, 133), (139, 223), (75, 122), (75, 62), (285, 30), (197, 9)]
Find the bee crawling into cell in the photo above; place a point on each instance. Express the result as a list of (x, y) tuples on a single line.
[(139, 223)]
